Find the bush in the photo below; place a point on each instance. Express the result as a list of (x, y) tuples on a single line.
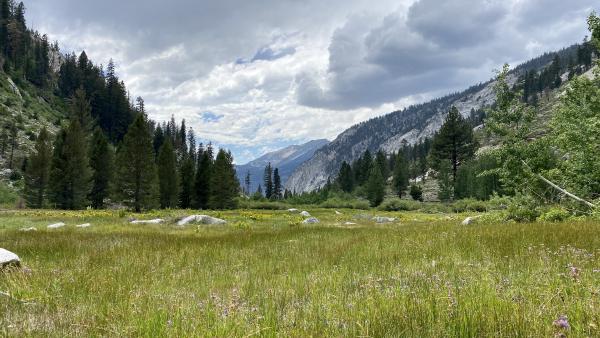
[(556, 214), (396, 204), (416, 192), (7, 195), (522, 209), (469, 204), (338, 203)]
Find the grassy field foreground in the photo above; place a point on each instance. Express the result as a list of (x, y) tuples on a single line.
[(265, 274)]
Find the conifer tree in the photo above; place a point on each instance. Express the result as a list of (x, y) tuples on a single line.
[(224, 183), (203, 178), (186, 178), (381, 161), (102, 165), (81, 110), (70, 172), (248, 182), (167, 177), (454, 142), (401, 174), (346, 178), (277, 189), (137, 177), (268, 181), (375, 187), (38, 171)]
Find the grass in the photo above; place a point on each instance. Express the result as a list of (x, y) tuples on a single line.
[(264, 274)]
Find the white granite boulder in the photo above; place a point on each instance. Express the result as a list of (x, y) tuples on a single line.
[(470, 220), (150, 221), (293, 210), (379, 219), (8, 258), (28, 229), (56, 225), (338, 213), (85, 225), (311, 220), (202, 219), (305, 213)]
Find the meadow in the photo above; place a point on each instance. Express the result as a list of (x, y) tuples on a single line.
[(267, 274)]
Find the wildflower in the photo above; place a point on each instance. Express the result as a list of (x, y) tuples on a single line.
[(562, 322)]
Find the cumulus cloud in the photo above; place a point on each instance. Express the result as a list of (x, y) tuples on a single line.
[(258, 75)]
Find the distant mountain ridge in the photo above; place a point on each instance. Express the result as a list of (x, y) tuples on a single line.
[(410, 125), (286, 159)]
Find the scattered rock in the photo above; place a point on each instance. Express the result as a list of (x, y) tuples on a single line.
[(470, 220), (349, 223), (56, 225), (311, 220), (150, 221), (86, 225), (293, 210), (29, 229), (14, 88), (305, 214), (338, 213), (202, 219), (379, 219), (8, 258)]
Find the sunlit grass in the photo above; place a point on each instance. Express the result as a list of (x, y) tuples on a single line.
[(268, 275)]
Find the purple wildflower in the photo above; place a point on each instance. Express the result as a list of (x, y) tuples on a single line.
[(562, 322)]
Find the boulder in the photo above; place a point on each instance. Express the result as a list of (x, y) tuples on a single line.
[(150, 221), (293, 210), (8, 258), (86, 225), (338, 213), (28, 229), (56, 225), (470, 220), (349, 223), (379, 219), (311, 220), (202, 219), (305, 213)]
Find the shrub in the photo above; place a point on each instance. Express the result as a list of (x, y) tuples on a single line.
[(337, 203), (416, 192), (556, 214), (522, 209), (7, 195), (469, 204), (396, 204)]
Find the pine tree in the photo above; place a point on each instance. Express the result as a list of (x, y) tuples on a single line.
[(445, 182), (102, 165), (381, 161), (401, 173), (224, 183), (346, 178), (375, 187), (454, 142), (248, 182), (167, 177), (70, 172), (416, 192), (203, 178), (137, 177), (276, 185), (186, 178), (38, 171), (81, 110), (268, 181)]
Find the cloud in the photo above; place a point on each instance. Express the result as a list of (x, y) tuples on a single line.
[(257, 75)]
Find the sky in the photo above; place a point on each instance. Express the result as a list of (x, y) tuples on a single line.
[(256, 76)]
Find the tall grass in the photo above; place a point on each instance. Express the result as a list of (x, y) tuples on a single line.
[(420, 278)]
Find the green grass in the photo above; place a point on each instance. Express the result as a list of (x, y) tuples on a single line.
[(266, 275)]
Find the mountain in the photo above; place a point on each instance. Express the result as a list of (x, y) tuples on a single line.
[(410, 125), (286, 159)]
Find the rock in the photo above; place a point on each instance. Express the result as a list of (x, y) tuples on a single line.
[(305, 214), (349, 223), (8, 258), (86, 225), (150, 221), (29, 229), (293, 210), (202, 219), (56, 225), (311, 220), (380, 220), (14, 88), (338, 213), (470, 220)]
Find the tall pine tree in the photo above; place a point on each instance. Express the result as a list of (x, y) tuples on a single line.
[(167, 176), (277, 188), (268, 181), (137, 176), (38, 171), (102, 160), (203, 178), (224, 183), (401, 173)]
